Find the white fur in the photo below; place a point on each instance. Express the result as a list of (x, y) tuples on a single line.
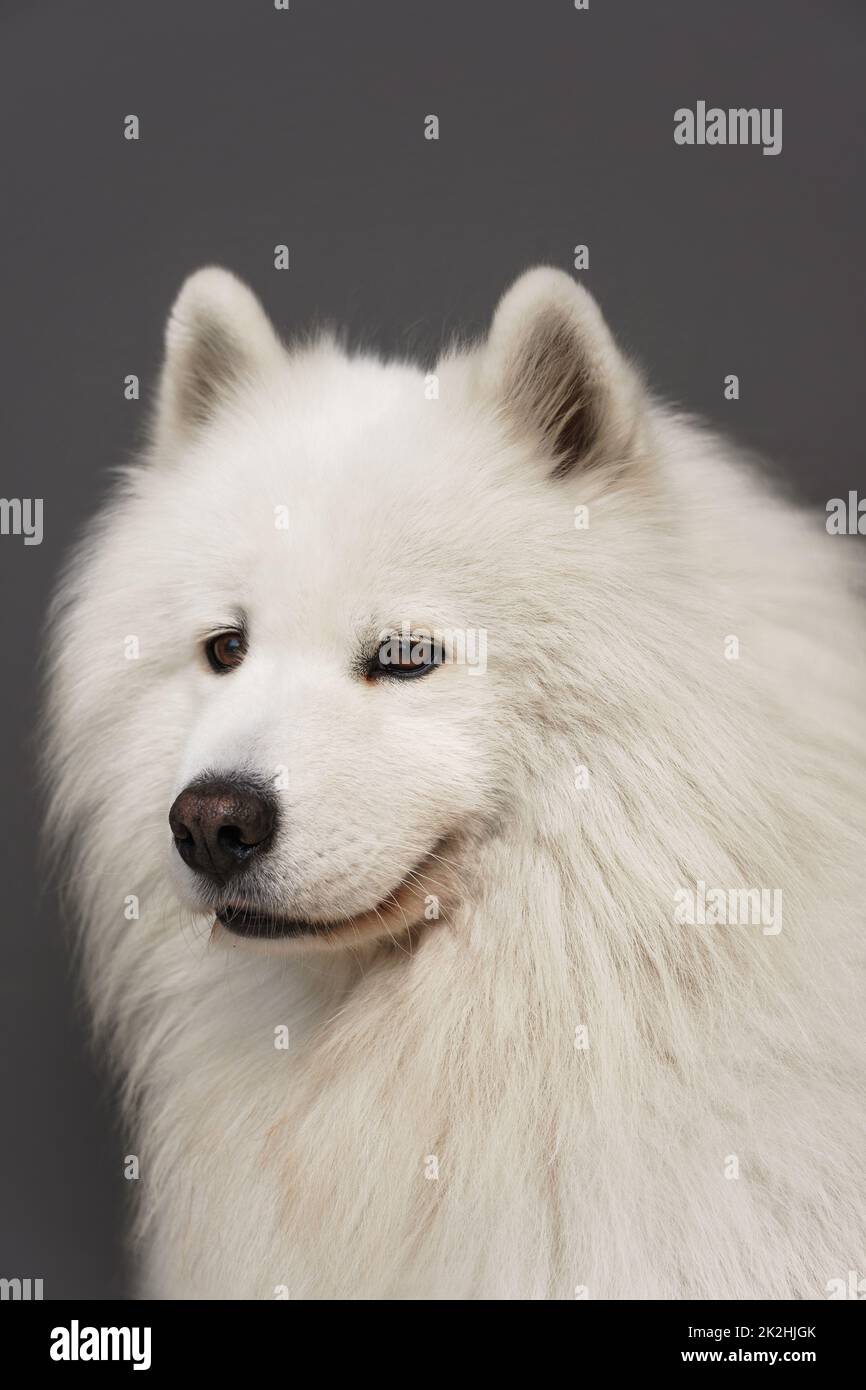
[(559, 1167)]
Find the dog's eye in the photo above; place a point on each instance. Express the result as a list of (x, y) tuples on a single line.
[(226, 650), (405, 657)]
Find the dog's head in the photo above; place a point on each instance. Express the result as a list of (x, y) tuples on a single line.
[(347, 591)]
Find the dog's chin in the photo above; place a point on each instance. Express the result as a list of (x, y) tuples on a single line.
[(421, 899)]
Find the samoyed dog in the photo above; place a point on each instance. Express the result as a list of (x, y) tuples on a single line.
[(458, 778)]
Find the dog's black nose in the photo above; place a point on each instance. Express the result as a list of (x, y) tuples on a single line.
[(219, 824)]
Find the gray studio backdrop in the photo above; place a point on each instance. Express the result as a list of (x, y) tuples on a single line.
[(305, 127)]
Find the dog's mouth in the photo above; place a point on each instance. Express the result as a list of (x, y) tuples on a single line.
[(253, 921), (422, 894)]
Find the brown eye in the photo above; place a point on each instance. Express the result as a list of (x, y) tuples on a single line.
[(226, 650), (405, 657)]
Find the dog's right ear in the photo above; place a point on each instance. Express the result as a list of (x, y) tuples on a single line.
[(217, 337)]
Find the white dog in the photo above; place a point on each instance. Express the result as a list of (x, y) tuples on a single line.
[(427, 751)]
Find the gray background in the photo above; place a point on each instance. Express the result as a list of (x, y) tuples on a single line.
[(306, 127)]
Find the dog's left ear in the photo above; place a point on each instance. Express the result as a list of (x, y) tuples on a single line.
[(551, 366), (217, 337)]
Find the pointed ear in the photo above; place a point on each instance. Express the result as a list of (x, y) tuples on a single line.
[(554, 369), (217, 338)]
